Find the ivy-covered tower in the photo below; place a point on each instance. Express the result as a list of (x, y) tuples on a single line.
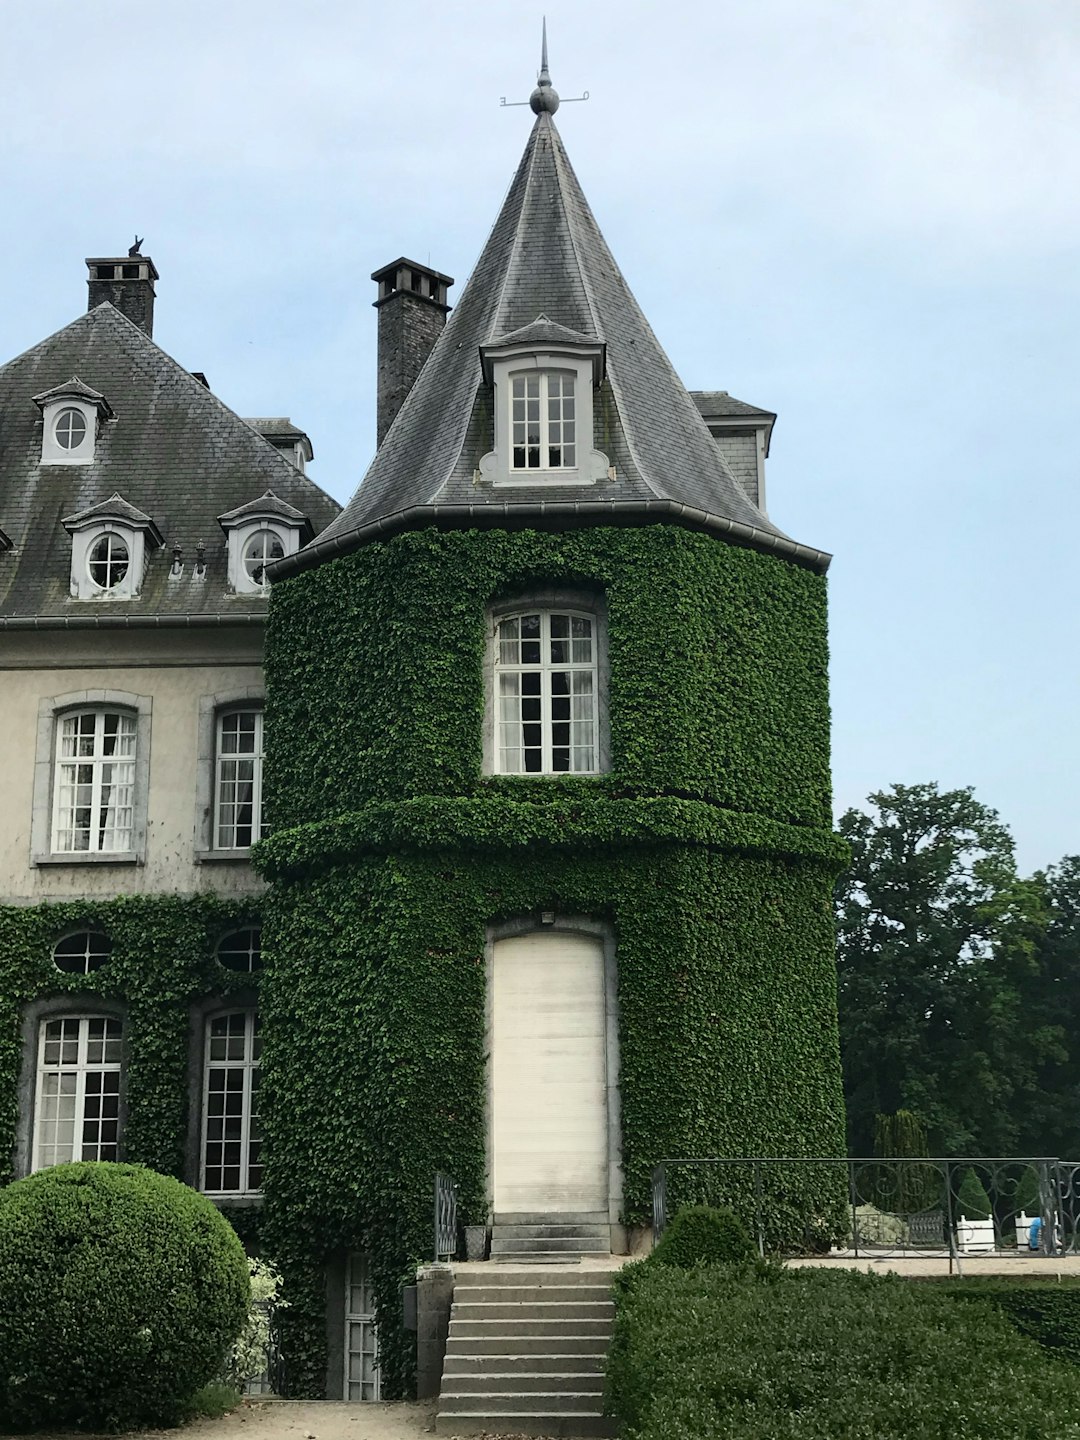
[(548, 776)]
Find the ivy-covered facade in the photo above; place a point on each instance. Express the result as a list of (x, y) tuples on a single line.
[(541, 741), (444, 796)]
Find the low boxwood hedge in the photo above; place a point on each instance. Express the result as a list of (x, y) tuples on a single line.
[(120, 1293), (704, 1234), (1044, 1308), (759, 1353)]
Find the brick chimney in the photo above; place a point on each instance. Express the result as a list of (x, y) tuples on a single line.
[(126, 281), (412, 312)]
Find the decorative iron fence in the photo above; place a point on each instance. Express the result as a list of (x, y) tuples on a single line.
[(446, 1227), (951, 1207)]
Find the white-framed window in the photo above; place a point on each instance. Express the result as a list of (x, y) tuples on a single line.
[(547, 712), (94, 782), (261, 550), (77, 1104), (238, 768), (545, 379), (70, 428), (543, 422), (361, 1379), (231, 1138), (107, 560)]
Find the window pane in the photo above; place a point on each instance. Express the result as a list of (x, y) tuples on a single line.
[(78, 1094), (545, 718)]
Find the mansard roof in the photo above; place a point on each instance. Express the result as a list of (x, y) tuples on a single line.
[(174, 451), (546, 257)]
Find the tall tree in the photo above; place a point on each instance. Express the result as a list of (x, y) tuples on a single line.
[(937, 942)]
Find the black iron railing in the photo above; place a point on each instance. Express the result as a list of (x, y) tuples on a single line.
[(955, 1206), (446, 1227)]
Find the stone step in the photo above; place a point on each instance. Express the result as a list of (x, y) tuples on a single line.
[(488, 1293), (553, 1232), (522, 1402), (488, 1343), (551, 1217), (514, 1364), (535, 1327), (556, 1272), (578, 1424), (532, 1382), (531, 1310), (570, 1244)]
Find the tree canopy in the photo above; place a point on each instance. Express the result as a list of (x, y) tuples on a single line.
[(956, 979)]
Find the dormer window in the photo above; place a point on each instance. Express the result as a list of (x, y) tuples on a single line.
[(544, 377), (109, 550), (71, 417), (543, 423), (257, 534), (264, 547)]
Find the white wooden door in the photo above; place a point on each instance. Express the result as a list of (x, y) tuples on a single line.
[(549, 1074)]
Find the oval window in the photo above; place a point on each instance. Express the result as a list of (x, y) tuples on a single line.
[(80, 953), (241, 950), (263, 547), (70, 429), (108, 561)]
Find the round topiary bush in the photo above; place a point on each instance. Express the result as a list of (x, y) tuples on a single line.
[(120, 1292), (702, 1234)]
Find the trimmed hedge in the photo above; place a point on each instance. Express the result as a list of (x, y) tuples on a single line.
[(1045, 1309), (707, 848), (744, 1353), (704, 1235), (120, 1293)]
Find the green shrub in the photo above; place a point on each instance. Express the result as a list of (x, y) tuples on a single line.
[(972, 1201), (1046, 1309), (716, 1354), (703, 1234), (120, 1293)]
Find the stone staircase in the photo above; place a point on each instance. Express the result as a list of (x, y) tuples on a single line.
[(545, 1239), (525, 1353)]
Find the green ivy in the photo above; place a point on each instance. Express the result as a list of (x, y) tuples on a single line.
[(707, 847), (162, 961)]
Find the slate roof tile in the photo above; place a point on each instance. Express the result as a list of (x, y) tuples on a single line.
[(174, 451), (545, 256)]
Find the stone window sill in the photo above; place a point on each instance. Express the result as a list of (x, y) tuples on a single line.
[(216, 857), (127, 857)]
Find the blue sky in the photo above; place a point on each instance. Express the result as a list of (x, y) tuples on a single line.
[(864, 217)]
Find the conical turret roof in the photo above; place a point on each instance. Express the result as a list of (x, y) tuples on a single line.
[(546, 269)]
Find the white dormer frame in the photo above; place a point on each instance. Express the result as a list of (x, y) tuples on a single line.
[(238, 539), (62, 410), (84, 542), (502, 363)]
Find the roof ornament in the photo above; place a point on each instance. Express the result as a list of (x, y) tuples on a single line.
[(545, 98), (136, 249)]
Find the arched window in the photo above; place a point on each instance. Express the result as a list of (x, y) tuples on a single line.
[(77, 1104), (232, 1139), (547, 709)]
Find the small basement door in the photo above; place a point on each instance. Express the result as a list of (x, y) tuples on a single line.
[(549, 1074)]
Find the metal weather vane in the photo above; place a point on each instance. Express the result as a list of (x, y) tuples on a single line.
[(545, 98)]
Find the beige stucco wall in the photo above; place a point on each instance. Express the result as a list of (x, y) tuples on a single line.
[(178, 672)]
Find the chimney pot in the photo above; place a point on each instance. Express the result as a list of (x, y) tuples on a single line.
[(126, 282)]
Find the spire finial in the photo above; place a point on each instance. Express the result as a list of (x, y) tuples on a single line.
[(545, 98)]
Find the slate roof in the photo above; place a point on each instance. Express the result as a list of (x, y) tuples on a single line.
[(719, 402), (174, 452), (546, 257)]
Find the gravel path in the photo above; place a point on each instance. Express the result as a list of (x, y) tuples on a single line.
[(302, 1420)]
